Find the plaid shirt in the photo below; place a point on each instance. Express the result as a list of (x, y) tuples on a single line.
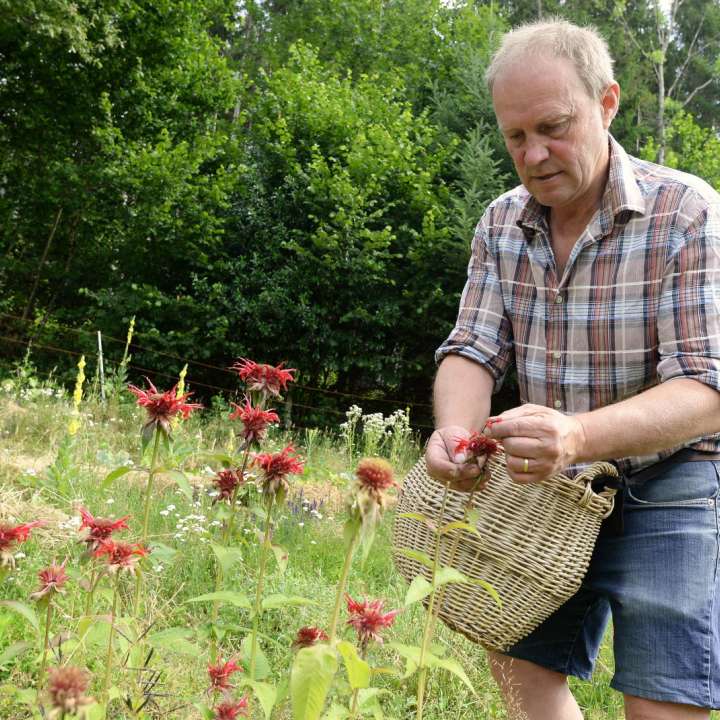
[(638, 302)]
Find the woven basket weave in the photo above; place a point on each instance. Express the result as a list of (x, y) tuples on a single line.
[(534, 546)]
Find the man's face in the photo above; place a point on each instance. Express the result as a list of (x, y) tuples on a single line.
[(555, 132)]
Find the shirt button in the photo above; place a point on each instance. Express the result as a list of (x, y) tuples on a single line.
[(558, 298), (557, 404), (556, 354)]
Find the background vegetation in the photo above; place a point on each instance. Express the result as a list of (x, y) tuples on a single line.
[(287, 180)]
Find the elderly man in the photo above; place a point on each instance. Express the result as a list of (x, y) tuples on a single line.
[(599, 277)]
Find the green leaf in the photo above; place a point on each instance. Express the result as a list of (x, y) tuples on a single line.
[(26, 696), (416, 555), (411, 653), (459, 525), (224, 596), (281, 557), (452, 666), (175, 639), (161, 552), (277, 601), (182, 482), (350, 529), (12, 651), (473, 515), (111, 477), (357, 669), (448, 575), (413, 516), (262, 665), (336, 712), (227, 556), (24, 610), (265, 693), (488, 588), (310, 679), (419, 588)]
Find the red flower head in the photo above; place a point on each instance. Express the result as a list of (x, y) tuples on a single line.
[(120, 556), (255, 421), (264, 378), (100, 528), (477, 445), (220, 674), (375, 475), (276, 467), (66, 688), (226, 481), (309, 636), (368, 619), (162, 407), (229, 710), (52, 579), (11, 535)]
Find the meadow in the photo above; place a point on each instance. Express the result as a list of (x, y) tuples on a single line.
[(144, 639)]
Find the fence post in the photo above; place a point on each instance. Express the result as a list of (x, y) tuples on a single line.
[(101, 367)]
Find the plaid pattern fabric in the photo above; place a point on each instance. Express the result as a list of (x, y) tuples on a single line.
[(638, 302)]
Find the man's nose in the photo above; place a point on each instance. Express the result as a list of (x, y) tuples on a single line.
[(536, 153)]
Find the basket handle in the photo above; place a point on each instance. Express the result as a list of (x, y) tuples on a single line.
[(599, 474)]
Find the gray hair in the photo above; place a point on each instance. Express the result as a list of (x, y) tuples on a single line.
[(583, 46)]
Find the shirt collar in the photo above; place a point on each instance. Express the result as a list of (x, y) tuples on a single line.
[(621, 198)]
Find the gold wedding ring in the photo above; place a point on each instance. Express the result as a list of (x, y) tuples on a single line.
[(526, 465)]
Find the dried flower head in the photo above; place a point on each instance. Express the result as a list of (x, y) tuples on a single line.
[(220, 674), (121, 556), (477, 445), (368, 619), (162, 407), (52, 580), (100, 528), (255, 421), (66, 690), (227, 481), (262, 378), (229, 709), (276, 467), (11, 535), (309, 636)]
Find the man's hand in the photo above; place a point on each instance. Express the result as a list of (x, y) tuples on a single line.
[(449, 467), (539, 442)]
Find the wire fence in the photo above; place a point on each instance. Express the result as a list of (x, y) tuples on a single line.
[(291, 403)]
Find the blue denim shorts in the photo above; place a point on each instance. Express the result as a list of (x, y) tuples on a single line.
[(659, 582)]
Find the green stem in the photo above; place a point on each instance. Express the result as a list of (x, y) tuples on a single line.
[(91, 592), (341, 585), (356, 693), (259, 589), (429, 624), (146, 515), (108, 661), (227, 534), (46, 644)]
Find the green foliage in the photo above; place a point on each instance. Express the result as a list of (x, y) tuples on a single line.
[(690, 147)]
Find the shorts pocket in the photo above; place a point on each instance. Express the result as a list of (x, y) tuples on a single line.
[(687, 484)]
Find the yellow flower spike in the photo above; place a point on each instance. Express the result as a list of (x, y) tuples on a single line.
[(178, 392), (74, 424)]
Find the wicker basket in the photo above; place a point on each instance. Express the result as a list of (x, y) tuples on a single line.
[(534, 546)]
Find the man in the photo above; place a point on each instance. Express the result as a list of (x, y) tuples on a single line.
[(600, 278)]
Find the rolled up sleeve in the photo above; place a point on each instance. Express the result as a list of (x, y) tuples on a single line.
[(482, 331), (689, 311)]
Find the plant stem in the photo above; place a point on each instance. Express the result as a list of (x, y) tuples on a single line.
[(108, 662), (46, 644), (146, 514), (90, 593), (356, 693), (429, 625), (227, 534), (259, 589), (342, 583)]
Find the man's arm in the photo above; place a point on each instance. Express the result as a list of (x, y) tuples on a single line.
[(663, 417), (462, 394)]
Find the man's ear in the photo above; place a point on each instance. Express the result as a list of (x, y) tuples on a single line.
[(610, 102)]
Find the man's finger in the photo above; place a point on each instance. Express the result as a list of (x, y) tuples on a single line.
[(528, 426)]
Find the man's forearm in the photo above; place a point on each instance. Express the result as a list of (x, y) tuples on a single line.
[(663, 417), (462, 393)]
